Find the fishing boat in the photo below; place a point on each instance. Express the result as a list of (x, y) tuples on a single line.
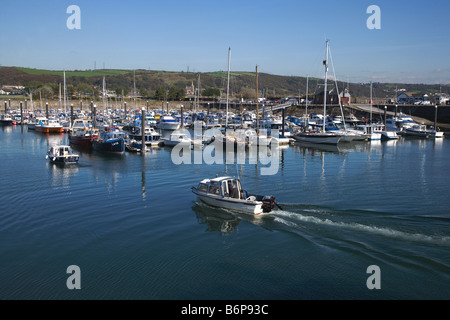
[(385, 134), (110, 141), (368, 131), (49, 126), (31, 125), (82, 134), (6, 120), (81, 138), (62, 154), (151, 136), (226, 192)]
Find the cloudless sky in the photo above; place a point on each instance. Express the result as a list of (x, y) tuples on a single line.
[(285, 37)]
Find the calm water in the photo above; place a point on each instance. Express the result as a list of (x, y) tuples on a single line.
[(135, 229)]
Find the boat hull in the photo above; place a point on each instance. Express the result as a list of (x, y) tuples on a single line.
[(64, 159), (319, 138), (45, 129), (244, 206), (84, 142), (168, 125), (116, 146), (389, 135), (6, 122)]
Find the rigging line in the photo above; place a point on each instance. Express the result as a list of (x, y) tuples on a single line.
[(264, 104), (337, 91)]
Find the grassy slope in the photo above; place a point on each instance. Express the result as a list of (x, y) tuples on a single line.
[(87, 73)]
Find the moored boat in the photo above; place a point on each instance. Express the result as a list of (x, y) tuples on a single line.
[(110, 141), (49, 126), (421, 130), (167, 123), (176, 138), (227, 193), (6, 120), (318, 137), (150, 135), (62, 154)]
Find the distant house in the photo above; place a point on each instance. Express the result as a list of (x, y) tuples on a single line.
[(14, 90), (403, 98), (190, 90), (345, 97), (441, 99)]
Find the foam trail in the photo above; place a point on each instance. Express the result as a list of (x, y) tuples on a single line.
[(387, 232)]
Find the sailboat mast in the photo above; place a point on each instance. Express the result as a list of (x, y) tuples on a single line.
[(371, 102), (65, 93), (325, 62), (228, 85), (306, 101), (104, 93), (257, 105)]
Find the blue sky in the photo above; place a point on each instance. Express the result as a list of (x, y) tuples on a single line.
[(285, 37)]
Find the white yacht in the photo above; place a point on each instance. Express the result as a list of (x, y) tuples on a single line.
[(167, 123)]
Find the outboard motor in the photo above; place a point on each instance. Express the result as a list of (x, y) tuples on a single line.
[(268, 203)]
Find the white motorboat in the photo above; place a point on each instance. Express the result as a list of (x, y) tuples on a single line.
[(177, 138), (399, 123), (167, 123), (421, 130), (368, 131), (385, 134), (227, 193), (62, 154)]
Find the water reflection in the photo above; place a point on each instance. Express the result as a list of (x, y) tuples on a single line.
[(215, 219), (6, 129), (315, 148), (60, 173)]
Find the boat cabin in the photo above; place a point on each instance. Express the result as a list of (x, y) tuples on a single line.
[(60, 150), (222, 186)]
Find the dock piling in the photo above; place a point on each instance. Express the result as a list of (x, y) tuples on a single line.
[(182, 116), (71, 116), (143, 130)]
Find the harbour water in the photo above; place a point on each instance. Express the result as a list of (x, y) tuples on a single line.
[(136, 231)]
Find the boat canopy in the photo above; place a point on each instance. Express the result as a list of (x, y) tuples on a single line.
[(222, 186)]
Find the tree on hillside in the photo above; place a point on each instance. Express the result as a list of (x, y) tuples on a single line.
[(211, 92), (143, 92), (176, 93), (121, 90), (160, 93)]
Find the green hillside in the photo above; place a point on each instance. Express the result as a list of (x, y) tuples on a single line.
[(242, 84)]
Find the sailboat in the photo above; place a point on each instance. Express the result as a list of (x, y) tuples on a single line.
[(320, 137), (232, 139), (370, 130)]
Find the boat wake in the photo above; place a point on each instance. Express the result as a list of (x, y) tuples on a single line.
[(305, 217), (315, 223)]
